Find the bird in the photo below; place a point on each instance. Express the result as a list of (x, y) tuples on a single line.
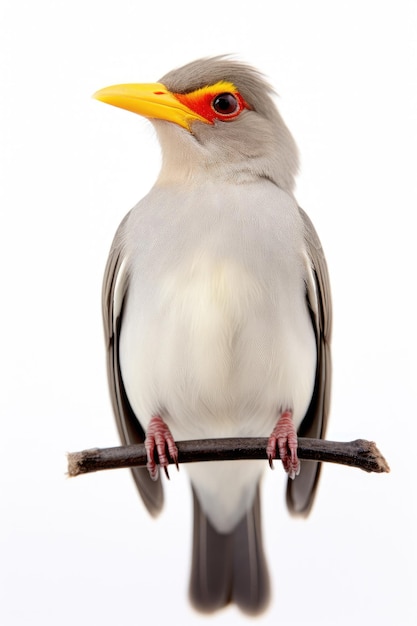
[(217, 314)]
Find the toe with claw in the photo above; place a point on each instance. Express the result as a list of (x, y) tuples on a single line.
[(159, 439), (284, 436)]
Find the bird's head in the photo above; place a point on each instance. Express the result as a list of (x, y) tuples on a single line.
[(214, 116)]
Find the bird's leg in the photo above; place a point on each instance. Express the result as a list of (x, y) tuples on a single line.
[(284, 436), (159, 437)]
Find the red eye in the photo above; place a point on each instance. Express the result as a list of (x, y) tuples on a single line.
[(225, 104), (212, 105)]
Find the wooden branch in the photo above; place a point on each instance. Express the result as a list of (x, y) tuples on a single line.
[(359, 453)]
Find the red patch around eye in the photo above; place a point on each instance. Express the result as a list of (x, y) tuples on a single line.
[(201, 102)]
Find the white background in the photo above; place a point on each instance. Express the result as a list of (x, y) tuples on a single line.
[(84, 551)]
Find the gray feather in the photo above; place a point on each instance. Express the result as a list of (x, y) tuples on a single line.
[(301, 491), (130, 430)]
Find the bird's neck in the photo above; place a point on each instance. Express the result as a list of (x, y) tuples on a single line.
[(187, 161), (193, 175)]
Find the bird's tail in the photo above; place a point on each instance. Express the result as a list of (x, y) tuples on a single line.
[(229, 567)]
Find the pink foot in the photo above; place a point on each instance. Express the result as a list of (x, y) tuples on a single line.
[(159, 437), (284, 435)]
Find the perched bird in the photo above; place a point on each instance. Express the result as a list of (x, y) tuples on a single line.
[(217, 313)]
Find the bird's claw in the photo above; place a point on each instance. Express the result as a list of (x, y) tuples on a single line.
[(160, 439), (284, 437)]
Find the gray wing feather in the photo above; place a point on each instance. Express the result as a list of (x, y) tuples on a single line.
[(301, 491), (130, 430)]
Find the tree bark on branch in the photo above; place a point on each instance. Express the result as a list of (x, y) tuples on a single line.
[(359, 453)]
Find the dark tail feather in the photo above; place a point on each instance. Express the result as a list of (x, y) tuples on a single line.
[(250, 571), (229, 567), (211, 567)]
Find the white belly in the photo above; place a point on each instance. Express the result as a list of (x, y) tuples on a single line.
[(218, 357)]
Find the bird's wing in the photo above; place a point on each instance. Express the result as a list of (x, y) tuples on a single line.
[(301, 491), (115, 287)]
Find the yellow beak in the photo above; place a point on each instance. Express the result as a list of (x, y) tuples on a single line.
[(151, 100)]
